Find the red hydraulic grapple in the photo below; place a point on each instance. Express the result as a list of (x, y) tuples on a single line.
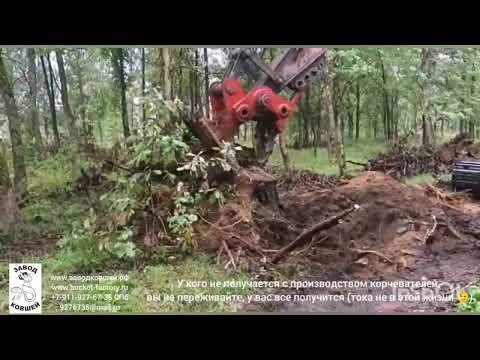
[(232, 105)]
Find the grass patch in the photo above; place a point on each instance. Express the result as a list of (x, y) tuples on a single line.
[(305, 159), (420, 180), (50, 176), (134, 288), (133, 294), (52, 217)]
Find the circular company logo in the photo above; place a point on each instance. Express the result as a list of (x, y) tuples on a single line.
[(24, 288)]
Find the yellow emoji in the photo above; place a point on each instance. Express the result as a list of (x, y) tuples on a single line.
[(463, 297)]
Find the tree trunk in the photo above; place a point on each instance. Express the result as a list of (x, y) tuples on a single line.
[(87, 126), (119, 68), (198, 101), (472, 119), (19, 169), (5, 183), (414, 125), (181, 55), (45, 110), (393, 118), (51, 99), (315, 127), (350, 123), (144, 114), (191, 86), (33, 111), (386, 123), (72, 129), (357, 117), (283, 151), (207, 82), (335, 129), (166, 73), (427, 127), (308, 118)]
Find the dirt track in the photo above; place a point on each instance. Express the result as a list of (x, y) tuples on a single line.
[(392, 220)]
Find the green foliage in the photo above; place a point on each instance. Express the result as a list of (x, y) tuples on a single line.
[(51, 175), (52, 216), (85, 249), (473, 305), (81, 251), (182, 219), (157, 148)]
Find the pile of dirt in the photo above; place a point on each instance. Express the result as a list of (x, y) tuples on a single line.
[(384, 203), (398, 232), (402, 160), (395, 227)]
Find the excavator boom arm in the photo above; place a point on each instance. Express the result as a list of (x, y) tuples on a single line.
[(232, 105)]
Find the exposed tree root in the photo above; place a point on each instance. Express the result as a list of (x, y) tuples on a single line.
[(303, 237), (379, 254)]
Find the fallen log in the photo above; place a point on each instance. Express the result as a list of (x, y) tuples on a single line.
[(307, 234), (365, 165)]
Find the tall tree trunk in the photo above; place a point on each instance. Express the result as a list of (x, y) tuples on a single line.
[(33, 111), (386, 123), (8, 204), (393, 118), (335, 129), (166, 73), (198, 101), (45, 110), (181, 89), (427, 127), (320, 127), (207, 82), (144, 115), (51, 99), (119, 68), (414, 118), (284, 151), (350, 122), (191, 85), (307, 118), (472, 119), (19, 169), (72, 129), (87, 126), (357, 117), (5, 183), (385, 120), (315, 128)]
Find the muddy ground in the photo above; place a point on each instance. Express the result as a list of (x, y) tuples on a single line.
[(392, 221)]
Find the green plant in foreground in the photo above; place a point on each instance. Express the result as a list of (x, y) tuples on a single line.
[(182, 220), (473, 305)]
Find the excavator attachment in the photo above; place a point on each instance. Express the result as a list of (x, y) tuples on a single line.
[(232, 105)]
